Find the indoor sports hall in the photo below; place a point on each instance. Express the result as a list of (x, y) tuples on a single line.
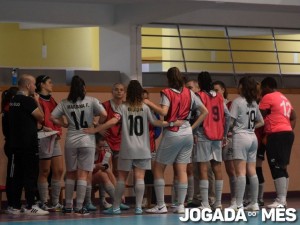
[(114, 41)]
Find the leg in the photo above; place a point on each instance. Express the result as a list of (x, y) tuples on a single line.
[(119, 191), (240, 170), (217, 169), (57, 171), (44, 171), (190, 190), (159, 182), (182, 181), (139, 175), (229, 166), (203, 184), (251, 173)]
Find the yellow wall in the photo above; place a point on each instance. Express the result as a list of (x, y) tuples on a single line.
[(66, 47), (224, 56)]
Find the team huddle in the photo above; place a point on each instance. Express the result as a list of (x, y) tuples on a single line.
[(201, 129)]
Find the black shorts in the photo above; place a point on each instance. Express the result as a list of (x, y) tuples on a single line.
[(261, 152), (279, 147)]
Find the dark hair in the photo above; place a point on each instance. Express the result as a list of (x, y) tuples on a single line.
[(134, 94), (222, 85), (175, 78), (249, 89), (269, 82), (77, 90), (205, 81), (39, 80), (98, 137), (7, 96), (145, 92)]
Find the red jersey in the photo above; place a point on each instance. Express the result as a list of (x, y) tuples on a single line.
[(48, 105), (279, 107), (180, 105), (114, 133), (152, 137), (213, 124)]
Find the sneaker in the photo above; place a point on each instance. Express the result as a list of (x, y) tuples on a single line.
[(11, 210), (66, 210), (138, 211), (112, 211), (195, 203), (144, 202), (90, 207), (174, 204), (260, 202), (158, 209), (83, 211), (105, 205), (179, 209), (124, 207), (56, 208), (215, 206), (246, 202), (252, 207), (201, 207), (36, 211), (45, 206), (236, 207), (276, 204), (211, 200)]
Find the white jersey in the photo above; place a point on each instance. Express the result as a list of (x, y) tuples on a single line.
[(79, 115), (245, 115), (135, 142)]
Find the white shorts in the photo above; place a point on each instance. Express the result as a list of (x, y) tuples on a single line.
[(129, 164), (49, 147), (245, 146), (175, 149), (79, 158), (208, 150)]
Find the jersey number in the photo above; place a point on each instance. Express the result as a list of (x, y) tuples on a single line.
[(83, 124), (136, 125), (251, 120), (286, 108), (216, 114)]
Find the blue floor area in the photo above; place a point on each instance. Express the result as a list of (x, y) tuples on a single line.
[(126, 219)]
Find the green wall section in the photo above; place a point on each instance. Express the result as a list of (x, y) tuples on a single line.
[(75, 48)]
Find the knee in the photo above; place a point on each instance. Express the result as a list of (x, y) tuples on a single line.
[(44, 172), (278, 172)]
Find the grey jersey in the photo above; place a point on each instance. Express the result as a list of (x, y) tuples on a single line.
[(245, 115), (79, 115), (135, 143)]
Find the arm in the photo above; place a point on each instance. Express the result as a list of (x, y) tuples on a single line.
[(102, 119), (227, 121), (38, 113), (203, 114), (162, 110), (259, 123), (101, 127), (59, 122), (293, 118)]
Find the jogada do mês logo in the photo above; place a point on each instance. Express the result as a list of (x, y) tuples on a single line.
[(279, 214)]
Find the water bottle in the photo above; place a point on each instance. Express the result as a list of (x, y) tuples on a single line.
[(105, 161), (14, 77)]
